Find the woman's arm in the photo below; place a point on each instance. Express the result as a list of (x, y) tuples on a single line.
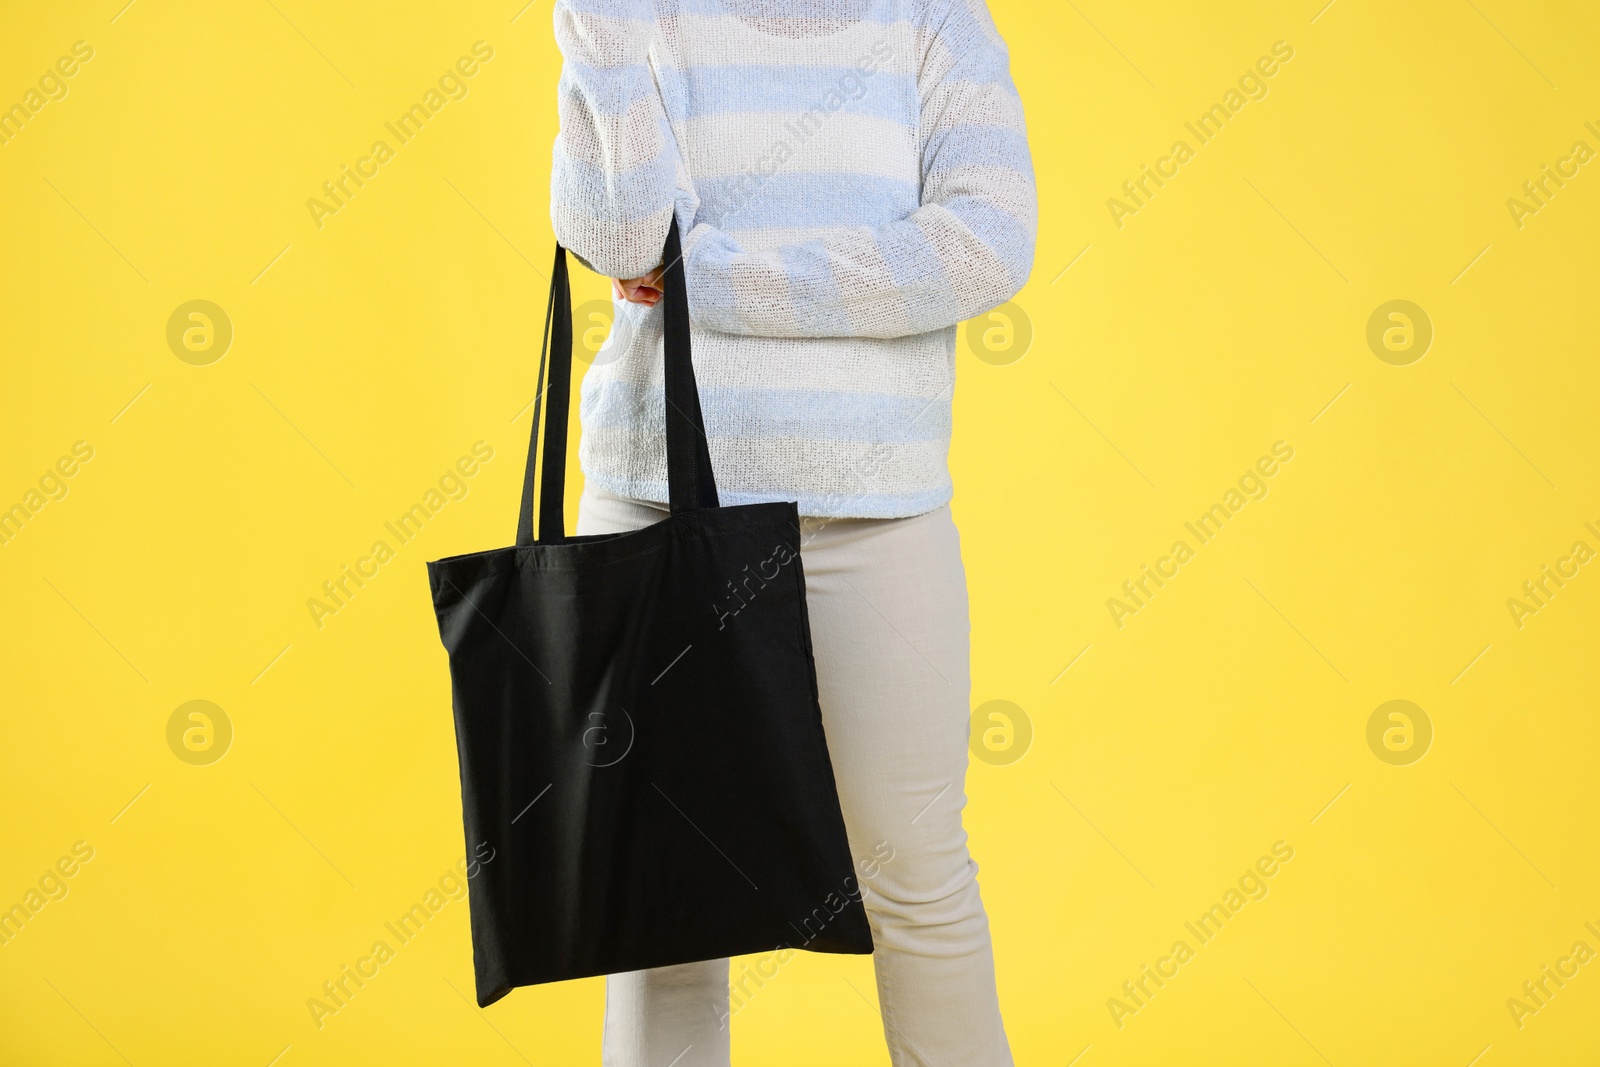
[(614, 173), (967, 249)]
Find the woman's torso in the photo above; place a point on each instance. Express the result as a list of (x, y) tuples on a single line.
[(791, 118)]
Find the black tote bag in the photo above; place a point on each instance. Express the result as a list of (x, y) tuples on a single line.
[(637, 724)]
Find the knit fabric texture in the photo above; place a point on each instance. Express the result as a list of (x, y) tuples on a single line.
[(851, 179)]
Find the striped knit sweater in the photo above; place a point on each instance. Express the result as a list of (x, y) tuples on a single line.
[(852, 179)]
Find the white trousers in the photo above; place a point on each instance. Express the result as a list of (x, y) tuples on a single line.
[(887, 600)]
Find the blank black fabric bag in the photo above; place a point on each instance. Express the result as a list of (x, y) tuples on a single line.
[(637, 724)]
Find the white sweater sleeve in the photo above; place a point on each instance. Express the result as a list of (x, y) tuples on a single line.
[(615, 165)]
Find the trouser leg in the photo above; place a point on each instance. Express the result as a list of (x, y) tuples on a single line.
[(888, 606)]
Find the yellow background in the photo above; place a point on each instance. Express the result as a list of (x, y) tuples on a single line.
[(1229, 713)]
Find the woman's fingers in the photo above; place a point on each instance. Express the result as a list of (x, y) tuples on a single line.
[(645, 290)]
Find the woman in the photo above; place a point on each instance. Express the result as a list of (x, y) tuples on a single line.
[(851, 179)]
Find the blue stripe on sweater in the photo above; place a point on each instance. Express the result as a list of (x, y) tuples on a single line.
[(637, 10), (865, 505), (608, 195), (881, 12), (969, 145), (800, 199), (816, 415), (1009, 238), (820, 311), (606, 90), (725, 90)]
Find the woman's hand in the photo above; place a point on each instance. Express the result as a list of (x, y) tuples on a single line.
[(645, 290)]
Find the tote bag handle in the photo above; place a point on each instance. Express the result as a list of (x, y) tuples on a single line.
[(690, 482)]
